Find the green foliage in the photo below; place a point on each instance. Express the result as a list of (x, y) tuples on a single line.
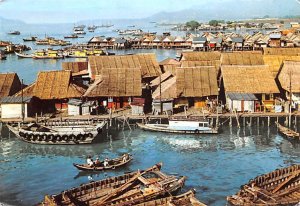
[(215, 22), (192, 24), (247, 25)]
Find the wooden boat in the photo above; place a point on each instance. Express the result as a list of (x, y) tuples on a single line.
[(14, 33), (128, 189), (112, 164), (2, 55), (288, 133), (50, 54), (23, 55), (186, 199), (280, 187), (72, 36), (182, 126), (57, 134), (32, 38)]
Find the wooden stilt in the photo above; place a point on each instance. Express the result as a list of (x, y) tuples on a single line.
[(268, 121), (237, 119), (244, 121), (258, 121), (230, 121), (250, 123)]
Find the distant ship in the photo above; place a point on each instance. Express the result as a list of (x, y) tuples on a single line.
[(14, 33)]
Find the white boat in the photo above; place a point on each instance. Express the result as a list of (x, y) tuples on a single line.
[(182, 126), (57, 134), (24, 55)]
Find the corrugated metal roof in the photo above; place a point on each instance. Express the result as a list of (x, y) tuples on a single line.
[(241, 96), (13, 99), (275, 36), (237, 39), (199, 39)]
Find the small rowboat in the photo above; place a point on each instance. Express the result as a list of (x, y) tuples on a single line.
[(112, 164), (24, 55), (288, 133)]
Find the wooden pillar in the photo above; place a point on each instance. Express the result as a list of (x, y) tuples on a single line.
[(250, 124), (258, 121), (268, 121), (244, 121), (295, 121), (230, 121)]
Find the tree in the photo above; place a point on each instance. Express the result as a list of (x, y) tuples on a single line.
[(192, 24), (247, 25), (215, 22)]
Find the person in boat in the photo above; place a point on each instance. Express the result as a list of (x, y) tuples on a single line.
[(89, 161), (97, 162), (124, 157), (105, 163)]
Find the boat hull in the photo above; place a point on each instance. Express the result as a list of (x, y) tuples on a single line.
[(165, 128)]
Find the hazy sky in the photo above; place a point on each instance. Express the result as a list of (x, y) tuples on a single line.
[(37, 11)]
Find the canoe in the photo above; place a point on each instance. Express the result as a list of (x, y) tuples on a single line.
[(57, 134), (23, 55), (128, 189), (113, 164), (280, 187), (288, 133), (186, 199)]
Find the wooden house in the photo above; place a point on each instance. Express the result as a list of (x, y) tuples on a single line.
[(275, 62), (237, 43), (215, 43), (247, 81), (199, 44), (54, 88), (289, 79), (9, 84), (169, 65), (80, 107), (275, 40), (115, 87), (147, 63)]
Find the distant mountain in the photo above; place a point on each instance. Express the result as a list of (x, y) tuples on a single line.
[(231, 10)]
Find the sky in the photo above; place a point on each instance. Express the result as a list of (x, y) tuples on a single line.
[(68, 11)]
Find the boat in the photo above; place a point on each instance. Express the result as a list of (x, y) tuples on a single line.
[(186, 199), (50, 54), (57, 134), (32, 38), (4, 43), (181, 126), (72, 36), (280, 187), (128, 189), (288, 133), (14, 33), (2, 55), (112, 164), (24, 55)]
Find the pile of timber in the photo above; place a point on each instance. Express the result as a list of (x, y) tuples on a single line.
[(135, 188), (291, 134), (280, 187)]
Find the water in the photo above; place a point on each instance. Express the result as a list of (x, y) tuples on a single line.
[(216, 165)]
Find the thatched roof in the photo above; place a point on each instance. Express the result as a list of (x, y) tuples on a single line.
[(275, 62), (167, 90), (196, 81), (75, 67), (170, 68), (242, 58), (248, 79), (200, 56), (215, 64), (53, 85), (9, 84), (290, 73), (169, 61), (163, 77), (282, 51), (116, 82), (146, 62)]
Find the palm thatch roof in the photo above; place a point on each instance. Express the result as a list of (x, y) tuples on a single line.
[(169, 61), (53, 85), (275, 62), (167, 90), (242, 58), (282, 51), (215, 64), (146, 62), (9, 84), (290, 73), (170, 68), (163, 77), (248, 79), (196, 81), (116, 82), (75, 67), (200, 56)]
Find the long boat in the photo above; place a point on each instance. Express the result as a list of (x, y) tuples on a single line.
[(23, 55), (186, 199), (58, 134), (280, 187), (128, 189), (14, 33), (112, 164), (181, 126), (32, 38), (288, 133)]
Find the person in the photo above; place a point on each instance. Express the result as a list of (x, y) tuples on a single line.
[(97, 162), (105, 163), (124, 158), (89, 161)]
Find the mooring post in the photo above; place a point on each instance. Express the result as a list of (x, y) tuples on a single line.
[(268, 121)]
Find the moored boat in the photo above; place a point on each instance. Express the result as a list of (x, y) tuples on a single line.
[(2, 55), (128, 189), (288, 133), (50, 54), (57, 134), (112, 164), (182, 126), (14, 33), (24, 55), (280, 187), (72, 36), (32, 38)]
